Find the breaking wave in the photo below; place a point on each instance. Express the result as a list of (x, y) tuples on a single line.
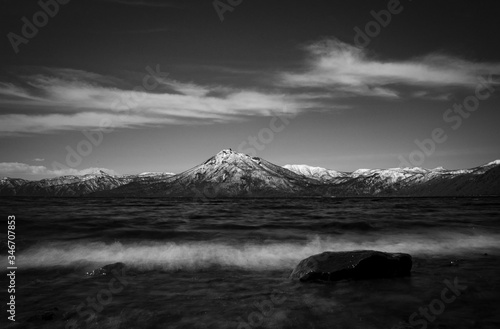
[(266, 256)]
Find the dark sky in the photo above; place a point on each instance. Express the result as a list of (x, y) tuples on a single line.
[(290, 81)]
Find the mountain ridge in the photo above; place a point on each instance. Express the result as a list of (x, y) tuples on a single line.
[(232, 174)]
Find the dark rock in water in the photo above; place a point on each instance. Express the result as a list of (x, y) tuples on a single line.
[(105, 270), (359, 264)]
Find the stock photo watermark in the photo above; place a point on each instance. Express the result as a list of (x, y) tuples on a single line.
[(437, 306), (30, 28), (88, 309), (258, 142), (454, 117), (11, 268), (373, 28), (251, 146), (94, 137), (264, 310), (222, 6)]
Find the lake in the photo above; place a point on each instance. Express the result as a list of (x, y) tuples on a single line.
[(224, 263)]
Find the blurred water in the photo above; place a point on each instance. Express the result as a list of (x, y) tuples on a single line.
[(225, 263)]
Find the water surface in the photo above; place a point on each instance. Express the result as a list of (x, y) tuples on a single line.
[(225, 263)]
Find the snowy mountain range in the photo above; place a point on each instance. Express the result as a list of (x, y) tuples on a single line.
[(71, 185), (232, 174)]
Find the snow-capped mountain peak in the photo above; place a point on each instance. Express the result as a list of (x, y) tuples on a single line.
[(228, 156), (97, 172), (229, 173), (225, 153), (492, 163)]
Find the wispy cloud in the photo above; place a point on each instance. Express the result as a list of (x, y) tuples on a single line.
[(38, 160), (18, 168), (432, 96), (346, 68), (55, 99), (76, 99)]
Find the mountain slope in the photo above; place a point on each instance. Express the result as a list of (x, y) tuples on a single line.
[(482, 180), (318, 173), (232, 174), (227, 174), (479, 181), (70, 186)]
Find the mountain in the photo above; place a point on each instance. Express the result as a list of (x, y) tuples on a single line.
[(154, 174), (227, 174), (318, 173), (232, 174), (71, 185), (480, 181)]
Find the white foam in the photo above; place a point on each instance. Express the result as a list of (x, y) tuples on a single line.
[(198, 255)]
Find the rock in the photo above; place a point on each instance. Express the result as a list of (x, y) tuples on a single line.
[(359, 264)]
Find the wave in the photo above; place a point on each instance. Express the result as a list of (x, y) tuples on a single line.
[(266, 256)]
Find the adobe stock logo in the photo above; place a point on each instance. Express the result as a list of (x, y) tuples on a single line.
[(438, 305), (221, 7), (454, 117), (277, 123), (373, 28), (93, 305), (29, 30), (94, 137), (265, 310)]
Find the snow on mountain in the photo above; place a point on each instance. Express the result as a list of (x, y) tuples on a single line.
[(492, 163), (314, 172), (98, 172), (233, 168), (229, 173), (325, 175), (233, 174), (406, 181), (91, 181), (155, 173), (226, 174), (391, 175)]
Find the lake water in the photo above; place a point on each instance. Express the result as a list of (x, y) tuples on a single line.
[(225, 263)]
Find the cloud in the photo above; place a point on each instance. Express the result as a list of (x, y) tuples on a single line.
[(432, 96), (17, 168), (15, 124), (38, 160), (346, 68), (57, 99), (73, 99)]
